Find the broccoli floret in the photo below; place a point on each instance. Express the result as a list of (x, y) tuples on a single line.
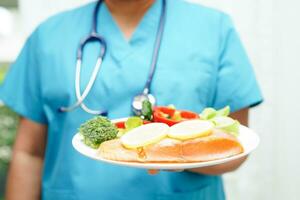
[(98, 130)]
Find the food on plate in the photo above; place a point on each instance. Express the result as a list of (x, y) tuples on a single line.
[(227, 124), (210, 113), (171, 116), (221, 120), (132, 123), (129, 124), (218, 145), (98, 130), (191, 129), (165, 134), (147, 111), (145, 135)]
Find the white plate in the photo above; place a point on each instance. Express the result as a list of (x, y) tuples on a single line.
[(247, 137)]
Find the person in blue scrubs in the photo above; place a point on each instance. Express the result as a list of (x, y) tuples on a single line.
[(202, 63)]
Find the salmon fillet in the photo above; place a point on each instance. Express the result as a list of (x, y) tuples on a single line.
[(218, 145)]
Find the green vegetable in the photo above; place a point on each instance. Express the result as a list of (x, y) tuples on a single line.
[(132, 123), (227, 124), (208, 113), (98, 130), (221, 120), (147, 110), (223, 112)]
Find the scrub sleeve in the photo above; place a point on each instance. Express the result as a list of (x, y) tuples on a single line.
[(236, 83), (21, 88)]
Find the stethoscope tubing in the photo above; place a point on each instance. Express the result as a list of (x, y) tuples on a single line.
[(156, 49), (81, 97)]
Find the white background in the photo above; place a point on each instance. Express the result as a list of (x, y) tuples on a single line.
[(270, 30)]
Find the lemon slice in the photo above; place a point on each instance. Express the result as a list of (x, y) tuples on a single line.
[(145, 135), (191, 129)]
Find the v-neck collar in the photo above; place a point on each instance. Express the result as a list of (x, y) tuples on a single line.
[(145, 31)]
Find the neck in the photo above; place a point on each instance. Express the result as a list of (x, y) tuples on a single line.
[(128, 13), (128, 7)]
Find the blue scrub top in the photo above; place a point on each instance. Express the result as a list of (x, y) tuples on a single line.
[(201, 63)]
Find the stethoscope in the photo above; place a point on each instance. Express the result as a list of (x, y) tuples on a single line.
[(95, 37)]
